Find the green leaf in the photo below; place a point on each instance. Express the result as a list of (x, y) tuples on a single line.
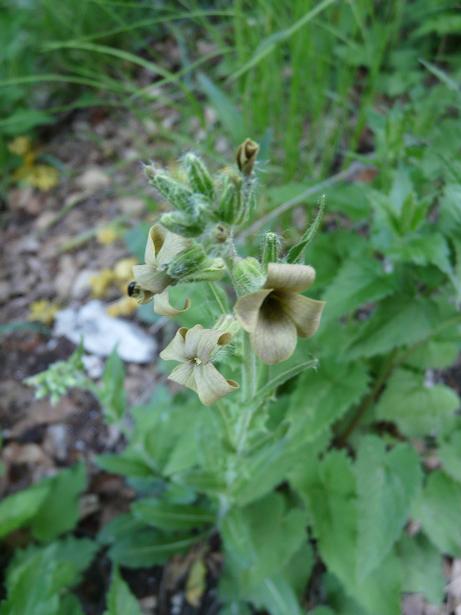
[(38, 577), (59, 511), (135, 240), (18, 509), (417, 409), (332, 500), (422, 568), (387, 483), (129, 463), (322, 397), (267, 558), (360, 280), (295, 253), (449, 454), (439, 510), (147, 548), (397, 322), (450, 210), (167, 516), (120, 600), (112, 392), (230, 117)]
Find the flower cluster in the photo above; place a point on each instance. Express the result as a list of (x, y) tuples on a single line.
[(195, 242)]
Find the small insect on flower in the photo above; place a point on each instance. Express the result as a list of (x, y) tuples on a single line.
[(195, 349), (141, 295)]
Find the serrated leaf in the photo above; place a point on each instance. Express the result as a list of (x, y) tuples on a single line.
[(19, 508), (360, 280), (323, 396), (417, 409), (449, 454), (120, 600), (439, 511), (261, 538), (167, 516), (397, 322), (59, 512), (422, 568), (268, 559), (333, 502), (39, 577), (387, 483)]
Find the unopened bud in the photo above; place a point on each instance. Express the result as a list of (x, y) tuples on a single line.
[(211, 270), (248, 276), (181, 224), (198, 175), (227, 323), (230, 207), (178, 195), (246, 156), (137, 292), (187, 262), (270, 248)]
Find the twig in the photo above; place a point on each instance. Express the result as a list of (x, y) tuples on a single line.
[(346, 175)]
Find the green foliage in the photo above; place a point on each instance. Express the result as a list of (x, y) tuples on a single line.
[(120, 600), (38, 578), (19, 508), (111, 393)]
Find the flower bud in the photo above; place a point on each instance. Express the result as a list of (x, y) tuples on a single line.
[(230, 207), (181, 224), (246, 156), (211, 270), (248, 276), (227, 323), (178, 195), (187, 262), (198, 175), (270, 248)]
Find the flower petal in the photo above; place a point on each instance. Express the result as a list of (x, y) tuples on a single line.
[(274, 339), (291, 278), (211, 385), (151, 279), (201, 343), (303, 311), (184, 374), (247, 308), (175, 349), (154, 244), (163, 307), (172, 245)]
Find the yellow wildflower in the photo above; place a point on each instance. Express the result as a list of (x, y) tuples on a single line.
[(20, 146), (106, 235), (101, 282), (125, 306), (43, 311)]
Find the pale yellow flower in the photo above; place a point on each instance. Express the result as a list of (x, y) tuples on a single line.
[(123, 269), (125, 306), (43, 311), (151, 277), (277, 314), (194, 350), (101, 282), (20, 146), (106, 235)]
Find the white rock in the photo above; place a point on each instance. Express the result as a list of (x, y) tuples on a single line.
[(102, 333), (93, 179)]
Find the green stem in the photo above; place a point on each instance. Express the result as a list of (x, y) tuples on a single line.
[(216, 297), (248, 391)]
